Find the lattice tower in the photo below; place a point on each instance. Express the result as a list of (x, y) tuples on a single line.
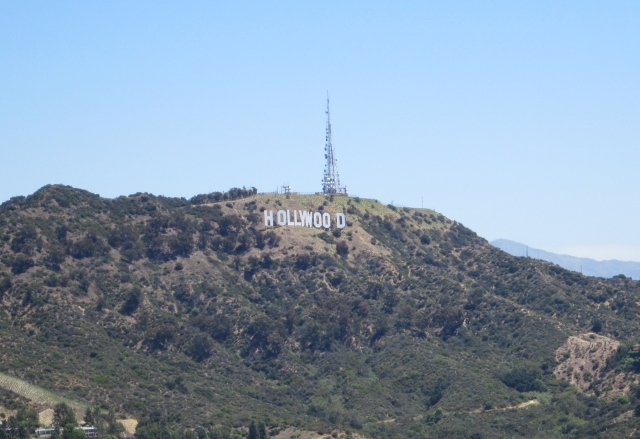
[(331, 180)]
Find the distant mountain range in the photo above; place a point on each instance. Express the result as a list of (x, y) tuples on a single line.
[(589, 267)]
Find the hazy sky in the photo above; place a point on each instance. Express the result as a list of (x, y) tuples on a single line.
[(518, 119)]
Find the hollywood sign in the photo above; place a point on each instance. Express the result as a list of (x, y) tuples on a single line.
[(303, 218)]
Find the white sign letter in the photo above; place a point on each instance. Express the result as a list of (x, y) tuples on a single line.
[(289, 222), (306, 218), (317, 220), (282, 218), (341, 220), (295, 219), (326, 220), (268, 218)]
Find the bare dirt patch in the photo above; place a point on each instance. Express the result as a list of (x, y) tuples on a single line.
[(7, 412), (45, 417), (582, 359), (129, 424)]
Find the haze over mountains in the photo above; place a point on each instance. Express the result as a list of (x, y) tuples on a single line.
[(588, 267)]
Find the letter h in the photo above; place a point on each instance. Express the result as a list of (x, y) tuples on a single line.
[(268, 218)]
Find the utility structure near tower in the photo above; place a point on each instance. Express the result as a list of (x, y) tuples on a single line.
[(331, 180)]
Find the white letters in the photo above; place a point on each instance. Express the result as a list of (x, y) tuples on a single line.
[(268, 218), (306, 218), (282, 218), (326, 220)]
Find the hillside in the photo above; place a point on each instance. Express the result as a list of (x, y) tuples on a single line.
[(403, 324), (589, 267)]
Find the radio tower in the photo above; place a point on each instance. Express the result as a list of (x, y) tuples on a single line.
[(331, 180)]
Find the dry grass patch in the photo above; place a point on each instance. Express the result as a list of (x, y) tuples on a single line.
[(129, 424), (34, 393)]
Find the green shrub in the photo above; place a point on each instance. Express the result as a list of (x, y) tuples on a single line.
[(342, 248), (524, 379), (21, 263)]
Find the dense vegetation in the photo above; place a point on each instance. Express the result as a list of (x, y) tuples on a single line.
[(186, 313)]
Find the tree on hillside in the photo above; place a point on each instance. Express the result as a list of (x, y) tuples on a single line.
[(70, 432), (55, 256), (89, 246), (5, 285), (342, 248), (63, 415), (181, 244), (27, 418), (262, 431), (19, 426), (134, 298), (161, 336), (93, 418), (200, 347), (253, 431), (202, 432), (450, 319), (190, 434), (113, 426), (88, 416), (21, 263), (524, 378)]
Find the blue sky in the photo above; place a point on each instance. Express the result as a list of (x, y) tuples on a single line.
[(518, 119)]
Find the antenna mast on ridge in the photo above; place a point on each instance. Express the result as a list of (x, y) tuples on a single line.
[(331, 180)]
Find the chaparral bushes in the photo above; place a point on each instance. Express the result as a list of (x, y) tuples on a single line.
[(186, 313)]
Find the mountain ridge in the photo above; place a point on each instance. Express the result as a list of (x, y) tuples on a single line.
[(589, 267), (404, 324)]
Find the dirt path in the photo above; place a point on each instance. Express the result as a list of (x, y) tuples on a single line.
[(509, 407), (294, 433)]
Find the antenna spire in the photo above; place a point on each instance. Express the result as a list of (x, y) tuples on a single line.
[(331, 180)]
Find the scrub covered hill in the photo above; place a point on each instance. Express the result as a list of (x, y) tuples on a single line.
[(403, 324)]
